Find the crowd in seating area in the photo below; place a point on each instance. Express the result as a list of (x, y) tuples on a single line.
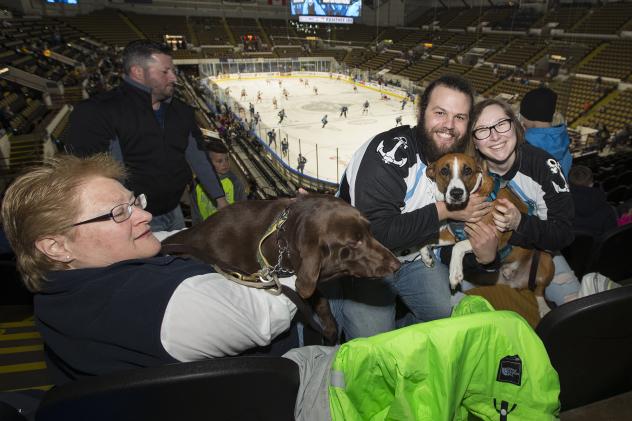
[(72, 87)]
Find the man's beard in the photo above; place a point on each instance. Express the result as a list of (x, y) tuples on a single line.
[(430, 150)]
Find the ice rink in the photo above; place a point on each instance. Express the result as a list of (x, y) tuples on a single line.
[(304, 111)]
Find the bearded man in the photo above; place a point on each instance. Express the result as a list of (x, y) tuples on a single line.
[(386, 181), (153, 133)]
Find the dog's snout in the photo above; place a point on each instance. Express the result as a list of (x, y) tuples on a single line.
[(457, 193)]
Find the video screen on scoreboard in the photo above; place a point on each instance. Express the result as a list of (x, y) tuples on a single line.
[(62, 1), (346, 8)]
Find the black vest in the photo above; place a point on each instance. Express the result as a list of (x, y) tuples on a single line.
[(99, 320)]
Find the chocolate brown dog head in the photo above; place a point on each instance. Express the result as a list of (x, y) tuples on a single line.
[(457, 176), (330, 239)]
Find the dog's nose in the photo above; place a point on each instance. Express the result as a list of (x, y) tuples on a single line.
[(457, 194)]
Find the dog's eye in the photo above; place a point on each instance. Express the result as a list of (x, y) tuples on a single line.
[(345, 253), (467, 171), (444, 172)]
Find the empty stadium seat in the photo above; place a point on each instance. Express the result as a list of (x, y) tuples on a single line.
[(617, 195), (239, 388), (611, 254), (589, 342), (578, 252)]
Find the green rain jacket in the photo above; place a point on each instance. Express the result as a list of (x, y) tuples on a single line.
[(490, 364)]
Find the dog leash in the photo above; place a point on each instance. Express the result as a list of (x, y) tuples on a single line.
[(533, 270), (276, 225), (261, 279)]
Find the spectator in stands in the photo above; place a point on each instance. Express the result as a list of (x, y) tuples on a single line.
[(593, 214), (141, 124), (626, 213), (233, 188), (538, 180), (84, 246), (537, 110), (6, 115), (385, 180), (623, 136), (602, 136)]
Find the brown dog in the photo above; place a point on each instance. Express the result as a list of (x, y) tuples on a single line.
[(323, 238), (457, 176)]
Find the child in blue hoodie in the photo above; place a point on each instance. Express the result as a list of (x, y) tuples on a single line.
[(536, 110)]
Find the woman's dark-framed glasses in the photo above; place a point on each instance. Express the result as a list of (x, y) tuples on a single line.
[(119, 213), (503, 126)]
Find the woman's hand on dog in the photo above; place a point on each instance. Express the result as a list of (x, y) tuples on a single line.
[(484, 241), (506, 215)]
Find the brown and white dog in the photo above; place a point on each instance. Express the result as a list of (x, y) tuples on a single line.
[(323, 238), (457, 177)]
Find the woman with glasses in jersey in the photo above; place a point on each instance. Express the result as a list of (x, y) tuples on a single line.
[(104, 298), (536, 177)]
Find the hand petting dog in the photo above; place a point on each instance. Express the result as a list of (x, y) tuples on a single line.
[(484, 241), (506, 215)]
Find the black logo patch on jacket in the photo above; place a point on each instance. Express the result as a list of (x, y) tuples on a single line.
[(510, 370)]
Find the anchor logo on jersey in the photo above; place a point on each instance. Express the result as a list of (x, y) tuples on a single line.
[(556, 169), (389, 157)]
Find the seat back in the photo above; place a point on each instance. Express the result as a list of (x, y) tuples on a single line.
[(589, 342), (617, 195), (578, 253), (611, 254), (239, 388)]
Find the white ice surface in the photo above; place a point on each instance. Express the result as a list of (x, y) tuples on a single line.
[(304, 111)]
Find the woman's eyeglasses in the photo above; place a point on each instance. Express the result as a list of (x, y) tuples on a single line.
[(503, 126), (119, 213)]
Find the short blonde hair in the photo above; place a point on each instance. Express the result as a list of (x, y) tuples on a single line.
[(44, 201)]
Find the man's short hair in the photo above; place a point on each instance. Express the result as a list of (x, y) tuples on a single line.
[(217, 147), (580, 175), (139, 52), (44, 202), (455, 82)]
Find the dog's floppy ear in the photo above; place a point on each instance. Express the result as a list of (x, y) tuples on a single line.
[(482, 165), (430, 171), (308, 270)]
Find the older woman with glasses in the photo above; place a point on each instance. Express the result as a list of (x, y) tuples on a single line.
[(105, 300), (536, 177)]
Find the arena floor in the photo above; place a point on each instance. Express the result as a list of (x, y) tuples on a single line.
[(304, 111)]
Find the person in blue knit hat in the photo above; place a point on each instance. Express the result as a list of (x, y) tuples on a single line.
[(537, 109)]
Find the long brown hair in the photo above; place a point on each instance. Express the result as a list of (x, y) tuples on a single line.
[(509, 112)]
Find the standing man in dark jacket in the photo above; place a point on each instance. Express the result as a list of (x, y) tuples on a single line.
[(141, 124)]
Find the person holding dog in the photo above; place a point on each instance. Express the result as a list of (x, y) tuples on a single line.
[(386, 181), (105, 300), (538, 179)]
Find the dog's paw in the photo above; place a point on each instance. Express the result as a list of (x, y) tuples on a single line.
[(507, 272), (426, 256), (543, 307), (456, 278)]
